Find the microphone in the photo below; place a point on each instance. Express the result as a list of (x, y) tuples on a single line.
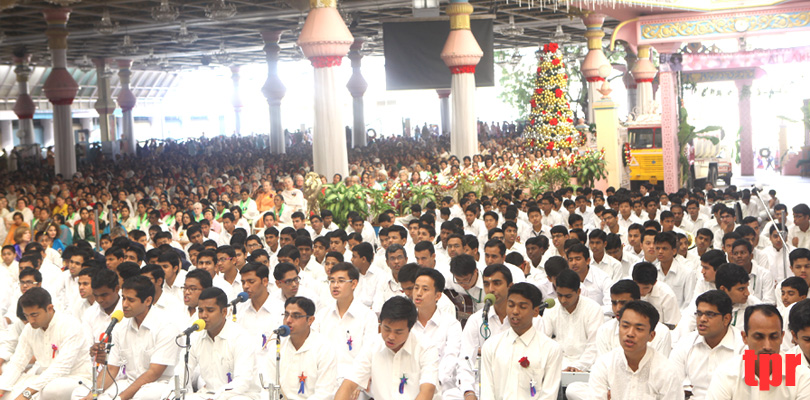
[(489, 300), (240, 298), (547, 303), (116, 316), (198, 325), (282, 331)]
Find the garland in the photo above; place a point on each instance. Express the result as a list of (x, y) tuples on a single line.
[(626, 157)]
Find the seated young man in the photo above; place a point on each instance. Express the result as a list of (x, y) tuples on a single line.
[(799, 325), (521, 363), (763, 335), (397, 363), (657, 293), (698, 355), (574, 323), (709, 262), (635, 371), (607, 337), (225, 364)]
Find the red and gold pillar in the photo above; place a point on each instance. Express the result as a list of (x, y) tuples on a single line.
[(594, 59)]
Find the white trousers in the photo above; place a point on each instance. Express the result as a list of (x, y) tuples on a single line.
[(578, 391), (57, 389), (150, 391)]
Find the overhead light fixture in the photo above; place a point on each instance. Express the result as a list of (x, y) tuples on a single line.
[(220, 10), (63, 3), (222, 56), (511, 30), (127, 47), (106, 26), (151, 60), (560, 36), (84, 64), (165, 12), (184, 37), (515, 59)]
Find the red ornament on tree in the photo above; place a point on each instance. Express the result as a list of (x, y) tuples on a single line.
[(550, 146), (559, 113), (532, 121), (555, 61), (553, 47), (569, 139), (558, 93), (553, 121), (538, 90)]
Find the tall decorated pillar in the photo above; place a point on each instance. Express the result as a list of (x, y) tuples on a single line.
[(126, 100), (644, 72), (462, 53), (47, 132), (105, 106), (325, 40), (606, 118), (24, 107), (628, 80), (60, 88), (274, 90), (357, 87), (236, 101), (594, 59), (746, 144), (669, 130), (6, 135), (444, 103)]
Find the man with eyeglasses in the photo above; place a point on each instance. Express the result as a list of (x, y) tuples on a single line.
[(196, 281), (288, 285), (726, 224), (388, 285), (308, 364), (226, 265), (345, 323), (699, 354)]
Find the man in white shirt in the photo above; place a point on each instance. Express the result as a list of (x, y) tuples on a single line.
[(388, 284), (585, 210), (345, 323), (550, 217), (680, 278), (308, 365), (626, 216), (762, 284), (362, 259), (143, 344), (292, 197), (574, 324), (763, 335), (248, 206), (175, 276), (799, 233), (442, 327), (473, 225), (698, 355), (521, 363), (225, 364), (105, 287), (594, 281), (734, 281), (799, 325), (357, 224), (228, 277), (659, 294), (258, 316), (56, 340), (196, 281), (398, 364), (635, 371), (86, 299), (167, 303), (614, 248), (612, 267), (776, 254), (694, 219)]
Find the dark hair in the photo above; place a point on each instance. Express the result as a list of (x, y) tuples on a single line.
[(128, 269), (438, 278), (350, 270), (503, 269), (462, 265), (797, 283), (569, 279), (31, 272), (104, 278), (289, 251), (717, 298), (729, 275), (644, 308), (668, 238), (306, 304), (626, 286), (170, 257), (799, 317), (497, 243), (399, 308), (261, 270), (798, 254), (281, 269), (705, 232), (393, 249), (35, 297), (768, 309), (528, 291), (554, 265), (715, 258), (215, 293), (303, 241), (744, 243), (336, 255), (539, 241), (645, 273), (364, 250), (579, 248), (202, 276), (156, 271), (424, 245), (142, 286), (408, 272)]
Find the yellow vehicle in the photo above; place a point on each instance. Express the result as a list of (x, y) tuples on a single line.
[(646, 159)]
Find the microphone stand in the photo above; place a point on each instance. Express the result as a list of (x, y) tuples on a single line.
[(781, 232), (276, 393), (485, 333), (180, 392)]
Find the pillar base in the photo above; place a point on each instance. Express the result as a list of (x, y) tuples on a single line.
[(607, 127)]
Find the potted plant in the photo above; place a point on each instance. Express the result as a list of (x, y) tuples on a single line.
[(591, 167), (341, 200)]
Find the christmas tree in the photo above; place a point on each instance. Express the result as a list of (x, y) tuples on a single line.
[(551, 123)]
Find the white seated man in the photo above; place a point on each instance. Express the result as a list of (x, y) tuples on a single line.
[(763, 334), (226, 365), (698, 355), (635, 370), (397, 363), (143, 343), (308, 365), (55, 339), (521, 363)]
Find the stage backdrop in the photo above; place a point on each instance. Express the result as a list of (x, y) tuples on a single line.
[(413, 54)]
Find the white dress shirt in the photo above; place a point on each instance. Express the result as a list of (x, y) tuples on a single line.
[(697, 362), (259, 323), (415, 361), (596, 286), (502, 376), (664, 300), (444, 330), (552, 219), (655, 377), (607, 338), (575, 332), (226, 365), (610, 266), (778, 264), (60, 351), (367, 285), (136, 347), (796, 232), (728, 383), (680, 278), (95, 320), (314, 362), (347, 335), (762, 284)]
